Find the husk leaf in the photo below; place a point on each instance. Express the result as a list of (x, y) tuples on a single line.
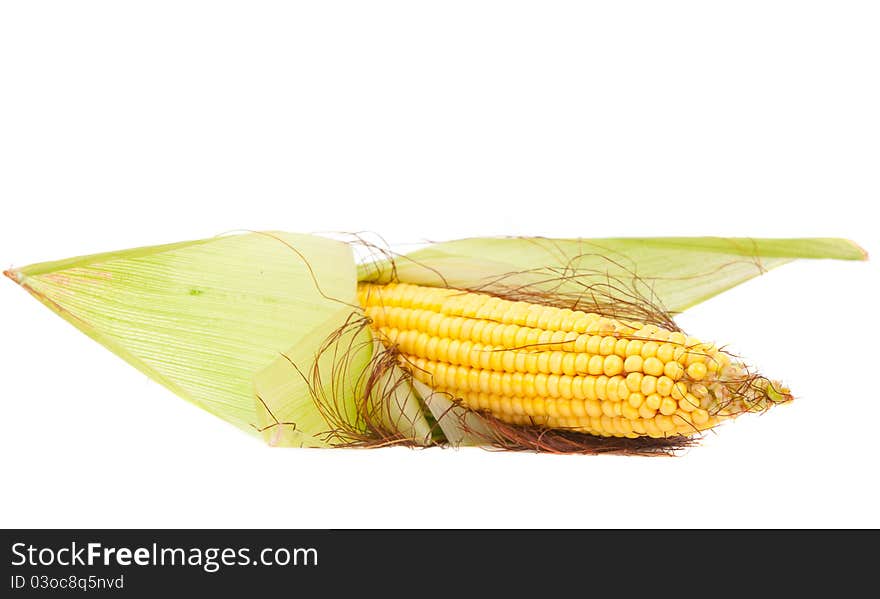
[(675, 273), (460, 426), (202, 317), (398, 405), (291, 392)]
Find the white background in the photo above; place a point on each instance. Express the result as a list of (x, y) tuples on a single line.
[(136, 123)]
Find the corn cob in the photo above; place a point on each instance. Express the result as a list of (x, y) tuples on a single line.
[(531, 364)]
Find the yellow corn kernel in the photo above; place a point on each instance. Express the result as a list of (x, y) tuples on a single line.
[(634, 381), (668, 406), (601, 383), (629, 412), (633, 363), (593, 408), (635, 400), (612, 389), (666, 352), (646, 412), (665, 423), (612, 365), (593, 343), (649, 349), (649, 385), (673, 370), (689, 403), (665, 385), (634, 347), (697, 371), (700, 416), (606, 347), (588, 387), (653, 366)]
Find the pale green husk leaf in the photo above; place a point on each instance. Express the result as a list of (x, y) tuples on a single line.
[(309, 399), (460, 426), (675, 273), (398, 405), (202, 317), (315, 373)]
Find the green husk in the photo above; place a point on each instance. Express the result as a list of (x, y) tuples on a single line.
[(460, 426), (202, 317), (675, 273), (307, 397), (348, 391), (397, 405)]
